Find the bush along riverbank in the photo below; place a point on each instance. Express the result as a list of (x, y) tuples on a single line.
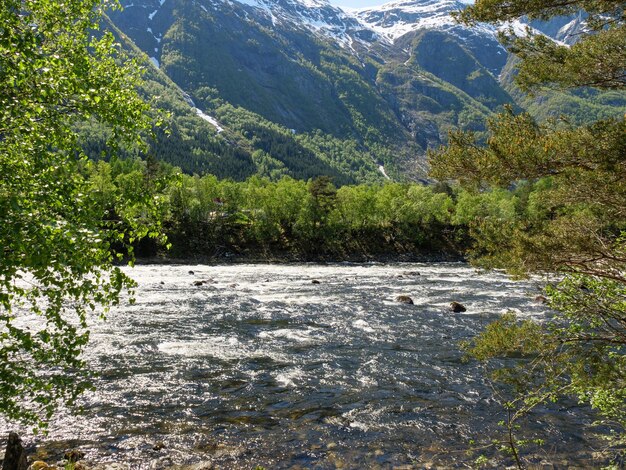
[(207, 219)]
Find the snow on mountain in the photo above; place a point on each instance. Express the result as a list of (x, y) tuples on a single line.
[(318, 16), (210, 119), (365, 26), (395, 19), (347, 27)]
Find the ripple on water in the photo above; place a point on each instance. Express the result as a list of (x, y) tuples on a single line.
[(259, 358)]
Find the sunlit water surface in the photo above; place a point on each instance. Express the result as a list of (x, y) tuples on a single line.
[(262, 366)]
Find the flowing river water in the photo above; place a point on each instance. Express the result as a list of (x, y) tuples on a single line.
[(301, 366)]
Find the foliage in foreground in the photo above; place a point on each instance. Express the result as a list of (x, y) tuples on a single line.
[(56, 262), (575, 229), (574, 226)]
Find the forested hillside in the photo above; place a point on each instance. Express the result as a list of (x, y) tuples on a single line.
[(305, 90)]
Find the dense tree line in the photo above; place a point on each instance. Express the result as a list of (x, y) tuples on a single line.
[(206, 217)]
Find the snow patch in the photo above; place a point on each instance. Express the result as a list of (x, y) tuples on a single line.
[(381, 168), (395, 19), (151, 15), (211, 120)]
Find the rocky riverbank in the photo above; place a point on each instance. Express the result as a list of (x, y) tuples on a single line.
[(283, 257)]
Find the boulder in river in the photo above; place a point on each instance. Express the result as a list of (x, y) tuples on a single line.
[(192, 273), (457, 307), (315, 281), (404, 299), (158, 446), (540, 299), (15, 455), (198, 283)]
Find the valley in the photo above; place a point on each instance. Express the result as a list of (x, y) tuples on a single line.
[(305, 89)]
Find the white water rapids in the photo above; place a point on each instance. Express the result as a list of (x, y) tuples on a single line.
[(260, 365)]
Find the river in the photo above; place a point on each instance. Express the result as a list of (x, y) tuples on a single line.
[(301, 366)]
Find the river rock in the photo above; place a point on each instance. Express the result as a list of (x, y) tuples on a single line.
[(404, 299), (15, 456), (315, 281), (74, 455), (192, 273), (38, 465), (112, 466), (199, 466), (198, 283), (457, 307), (540, 299), (158, 446)]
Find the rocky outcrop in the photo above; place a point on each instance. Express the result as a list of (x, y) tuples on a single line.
[(39, 465)]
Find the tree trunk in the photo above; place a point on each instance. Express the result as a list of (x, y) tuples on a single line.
[(15, 456)]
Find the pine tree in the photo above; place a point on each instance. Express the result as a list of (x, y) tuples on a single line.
[(573, 222)]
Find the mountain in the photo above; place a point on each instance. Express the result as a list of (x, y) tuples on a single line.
[(303, 88)]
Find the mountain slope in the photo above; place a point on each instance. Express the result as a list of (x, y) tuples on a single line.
[(303, 88)]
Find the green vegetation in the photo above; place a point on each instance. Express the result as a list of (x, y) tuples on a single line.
[(58, 241), (555, 201), (310, 106), (207, 217), (571, 224), (293, 103), (578, 106)]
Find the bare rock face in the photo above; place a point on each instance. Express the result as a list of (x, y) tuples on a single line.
[(15, 456)]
